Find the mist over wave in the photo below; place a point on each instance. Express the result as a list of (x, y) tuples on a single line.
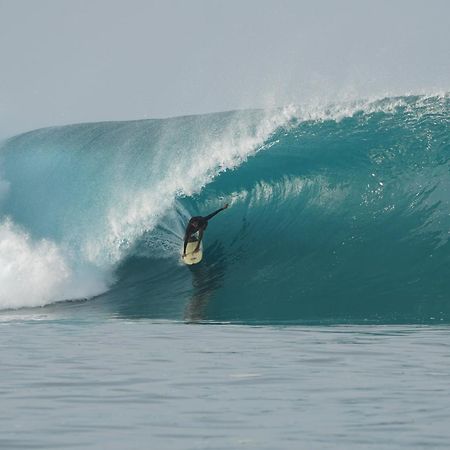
[(338, 213)]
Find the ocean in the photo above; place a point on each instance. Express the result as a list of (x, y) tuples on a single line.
[(318, 317)]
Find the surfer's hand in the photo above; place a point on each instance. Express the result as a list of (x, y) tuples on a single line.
[(225, 206)]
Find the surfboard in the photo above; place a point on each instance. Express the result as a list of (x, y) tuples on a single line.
[(191, 257)]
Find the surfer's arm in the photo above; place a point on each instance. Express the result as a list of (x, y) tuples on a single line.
[(210, 216)]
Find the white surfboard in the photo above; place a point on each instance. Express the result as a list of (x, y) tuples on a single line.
[(191, 257)]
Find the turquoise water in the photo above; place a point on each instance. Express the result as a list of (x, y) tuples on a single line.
[(317, 319), (337, 215)]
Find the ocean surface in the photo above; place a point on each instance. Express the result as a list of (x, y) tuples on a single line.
[(318, 318), (144, 384)]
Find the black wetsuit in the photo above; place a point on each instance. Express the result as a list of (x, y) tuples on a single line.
[(202, 223)]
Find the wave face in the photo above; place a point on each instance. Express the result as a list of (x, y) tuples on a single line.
[(339, 214)]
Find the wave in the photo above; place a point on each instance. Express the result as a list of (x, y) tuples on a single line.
[(337, 213)]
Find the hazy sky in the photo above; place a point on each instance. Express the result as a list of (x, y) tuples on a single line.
[(66, 61)]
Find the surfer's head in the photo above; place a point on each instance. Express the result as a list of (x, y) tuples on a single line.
[(195, 224)]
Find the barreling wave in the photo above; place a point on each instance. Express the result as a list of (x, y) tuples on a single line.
[(337, 214)]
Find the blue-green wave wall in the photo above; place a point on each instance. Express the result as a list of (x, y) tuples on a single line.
[(334, 217)]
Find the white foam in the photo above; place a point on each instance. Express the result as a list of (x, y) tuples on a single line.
[(36, 273)]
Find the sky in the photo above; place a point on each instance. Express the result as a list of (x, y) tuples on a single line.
[(71, 61)]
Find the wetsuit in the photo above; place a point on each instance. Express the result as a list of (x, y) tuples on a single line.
[(202, 223)]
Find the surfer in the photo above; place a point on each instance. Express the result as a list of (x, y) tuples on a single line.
[(198, 225)]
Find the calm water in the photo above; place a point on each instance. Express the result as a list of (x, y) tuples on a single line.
[(143, 384)]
